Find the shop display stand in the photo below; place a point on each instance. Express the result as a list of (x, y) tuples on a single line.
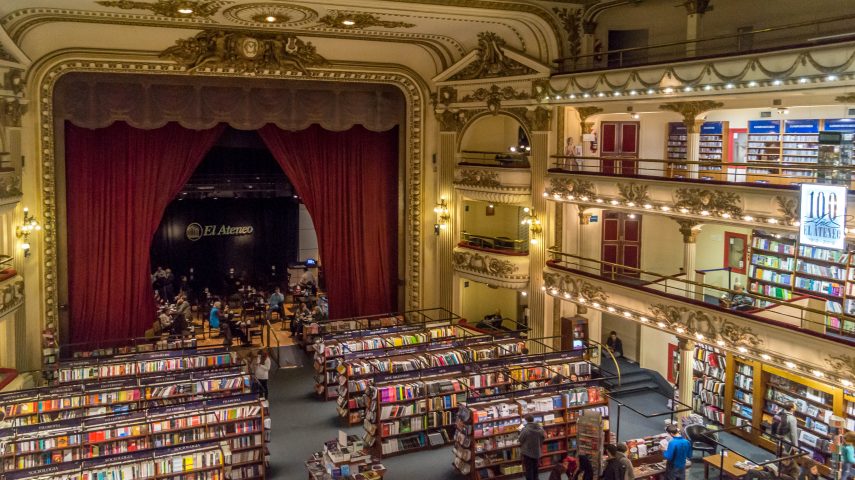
[(645, 450), (486, 440), (712, 149), (141, 364), (345, 457), (46, 404), (330, 351), (709, 383), (676, 146), (357, 371), (316, 329), (740, 396), (415, 411)]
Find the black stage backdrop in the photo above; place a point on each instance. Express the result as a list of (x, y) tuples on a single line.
[(223, 240)]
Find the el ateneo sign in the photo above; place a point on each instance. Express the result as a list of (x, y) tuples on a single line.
[(195, 231), (823, 216)]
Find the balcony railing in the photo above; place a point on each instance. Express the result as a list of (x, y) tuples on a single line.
[(493, 159), (500, 245), (803, 313), (781, 37), (747, 173)]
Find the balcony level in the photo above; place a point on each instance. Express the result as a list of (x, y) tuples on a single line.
[(494, 181), (491, 264), (769, 330)]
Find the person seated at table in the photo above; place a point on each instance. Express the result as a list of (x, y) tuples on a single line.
[(275, 303), (491, 321), (738, 300), (809, 470), (182, 313), (302, 315), (788, 469)]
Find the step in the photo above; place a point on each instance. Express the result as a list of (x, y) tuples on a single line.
[(630, 378)]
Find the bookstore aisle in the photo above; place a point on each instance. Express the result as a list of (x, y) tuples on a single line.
[(301, 424)]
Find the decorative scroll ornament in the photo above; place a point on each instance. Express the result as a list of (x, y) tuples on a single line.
[(848, 98), (477, 178), (10, 186), (633, 192), (494, 97), (14, 80), (358, 21), (572, 22), (690, 111), (571, 186), (245, 52), (712, 327), (690, 230), (170, 8), (453, 121), (842, 363), (483, 264), (789, 208), (12, 295), (574, 286), (445, 96), (697, 200), (492, 61)]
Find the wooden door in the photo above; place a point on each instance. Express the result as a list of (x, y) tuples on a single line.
[(619, 148), (621, 244)]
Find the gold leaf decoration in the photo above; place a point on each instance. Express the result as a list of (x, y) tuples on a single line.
[(477, 178), (358, 21), (697, 200), (633, 192), (170, 8), (483, 264), (491, 61)]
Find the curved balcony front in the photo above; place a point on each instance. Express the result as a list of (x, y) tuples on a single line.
[(494, 184), (498, 267)]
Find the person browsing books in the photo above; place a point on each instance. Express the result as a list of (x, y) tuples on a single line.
[(628, 473), (615, 469), (531, 440), (261, 369), (678, 453), (785, 428), (615, 344)]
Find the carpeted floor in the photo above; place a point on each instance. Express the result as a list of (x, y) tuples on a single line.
[(301, 423)]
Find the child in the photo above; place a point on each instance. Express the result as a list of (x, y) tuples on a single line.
[(568, 466)]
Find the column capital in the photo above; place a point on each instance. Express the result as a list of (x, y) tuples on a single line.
[(685, 344), (697, 7), (690, 111), (690, 230)]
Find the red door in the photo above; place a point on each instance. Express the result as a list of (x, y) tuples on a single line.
[(619, 150), (621, 245)]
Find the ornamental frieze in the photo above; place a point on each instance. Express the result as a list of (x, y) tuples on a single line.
[(574, 286), (633, 192), (788, 208), (483, 264), (494, 96), (10, 186), (245, 52), (712, 327), (477, 178), (568, 186), (170, 8), (491, 61), (453, 121), (717, 202), (842, 363), (358, 21)]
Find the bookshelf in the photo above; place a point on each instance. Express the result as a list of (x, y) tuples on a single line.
[(709, 367), (676, 148), (486, 438), (416, 410), (849, 409), (330, 351), (823, 272), (712, 148), (741, 397), (347, 460), (357, 371), (238, 420), (764, 145), (772, 266), (799, 145), (196, 461), (53, 404), (146, 345), (153, 363), (316, 329)]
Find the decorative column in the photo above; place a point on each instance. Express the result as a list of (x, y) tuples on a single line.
[(690, 230), (695, 10), (540, 312), (587, 127), (558, 244), (685, 379), (690, 112)]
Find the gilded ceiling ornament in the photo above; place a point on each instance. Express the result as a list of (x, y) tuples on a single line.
[(633, 192), (841, 363), (574, 286), (245, 52), (697, 7), (358, 21), (453, 121), (848, 98), (572, 22), (10, 186), (483, 264), (712, 327), (538, 119), (494, 96), (574, 186), (789, 208), (541, 89), (270, 15), (690, 111), (477, 178), (170, 8), (697, 200), (491, 61), (14, 80)]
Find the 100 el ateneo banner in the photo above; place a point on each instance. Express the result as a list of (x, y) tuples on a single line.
[(822, 218)]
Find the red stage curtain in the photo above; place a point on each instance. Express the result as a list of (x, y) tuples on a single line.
[(119, 181), (348, 181)]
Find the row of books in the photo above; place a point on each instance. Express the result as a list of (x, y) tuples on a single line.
[(140, 364)]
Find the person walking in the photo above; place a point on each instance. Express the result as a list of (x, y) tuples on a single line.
[(847, 456), (678, 453), (615, 469), (262, 371), (628, 473), (531, 440), (785, 428)]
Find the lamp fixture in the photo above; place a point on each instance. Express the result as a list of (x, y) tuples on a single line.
[(23, 231), (534, 227), (348, 22), (443, 214)]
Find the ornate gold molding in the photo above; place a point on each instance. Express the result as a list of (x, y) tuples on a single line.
[(697, 200), (477, 178), (574, 186), (494, 96), (690, 111), (841, 363), (10, 186), (584, 113), (491, 61), (170, 8), (571, 20), (454, 121), (848, 98), (690, 230), (789, 208), (12, 112), (711, 327), (535, 120), (358, 21), (446, 95), (574, 286), (11, 295), (634, 192), (244, 52), (413, 92), (483, 264)]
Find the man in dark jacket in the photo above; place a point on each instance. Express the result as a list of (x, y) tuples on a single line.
[(615, 469), (531, 442)]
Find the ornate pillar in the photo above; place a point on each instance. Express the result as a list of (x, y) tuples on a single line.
[(540, 311), (690, 112), (695, 10), (685, 379), (693, 146), (558, 244), (450, 125), (587, 127), (690, 230), (588, 43)]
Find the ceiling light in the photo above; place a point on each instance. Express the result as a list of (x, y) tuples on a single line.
[(846, 383), (729, 86), (566, 294), (777, 82), (668, 90), (752, 83), (742, 349), (545, 194), (748, 218), (684, 210), (633, 93), (581, 300), (587, 95), (572, 95), (558, 97), (765, 356), (708, 87), (803, 80), (699, 336), (643, 319), (680, 330), (831, 78), (185, 10), (720, 343), (631, 216), (773, 221), (650, 91), (613, 202), (595, 305), (817, 373), (661, 324), (599, 200), (584, 198), (635, 116), (617, 94), (524, 294), (725, 215), (601, 94), (705, 213), (665, 208), (610, 308), (627, 314), (648, 206), (270, 19), (688, 89), (790, 364), (348, 22)]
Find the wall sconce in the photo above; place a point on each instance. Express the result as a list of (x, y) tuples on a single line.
[(534, 227), (443, 215), (23, 231)]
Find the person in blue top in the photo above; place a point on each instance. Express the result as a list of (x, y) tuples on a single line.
[(847, 456), (275, 302), (214, 317), (678, 452)]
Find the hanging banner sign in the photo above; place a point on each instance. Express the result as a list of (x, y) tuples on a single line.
[(764, 126), (712, 128), (676, 128), (843, 125), (801, 126), (823, 216), (194, 231)]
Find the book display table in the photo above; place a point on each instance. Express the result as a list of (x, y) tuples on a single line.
[(344, 458)]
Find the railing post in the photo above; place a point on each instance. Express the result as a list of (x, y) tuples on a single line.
[(699, 285)]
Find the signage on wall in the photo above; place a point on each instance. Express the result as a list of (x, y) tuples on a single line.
[(195, 232), (676, 128), (711, 128), (764, 126), (823, 216), (844, 125), (594, 218), (801, 126)]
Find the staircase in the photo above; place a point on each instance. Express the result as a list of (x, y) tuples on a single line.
[(635, 379)]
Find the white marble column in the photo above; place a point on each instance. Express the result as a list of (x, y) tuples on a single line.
[(686, 378), (693, 146), (540, 305), (690, 231)]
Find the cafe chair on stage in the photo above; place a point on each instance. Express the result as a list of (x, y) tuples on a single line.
[(696, 434)]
